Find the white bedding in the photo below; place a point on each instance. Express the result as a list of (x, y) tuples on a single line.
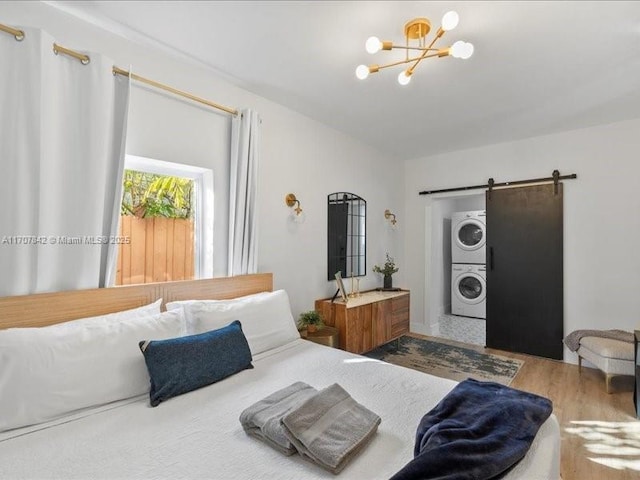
[(198, 435)]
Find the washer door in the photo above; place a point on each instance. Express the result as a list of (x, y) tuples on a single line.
[(470, 234), (470, 288)]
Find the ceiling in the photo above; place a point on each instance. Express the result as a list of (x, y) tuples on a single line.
[(538, 67)]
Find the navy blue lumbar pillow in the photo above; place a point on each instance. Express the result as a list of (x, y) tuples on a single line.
[(180, 365)]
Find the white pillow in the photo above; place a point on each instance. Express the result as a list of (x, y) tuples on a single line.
[(143, 311), (50, 371), (181, 304), (266, 318), (184, 306)]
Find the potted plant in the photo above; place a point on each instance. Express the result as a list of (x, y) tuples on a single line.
[(311, 320), (388, 269)]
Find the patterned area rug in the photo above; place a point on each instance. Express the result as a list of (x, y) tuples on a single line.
[(448, 361)]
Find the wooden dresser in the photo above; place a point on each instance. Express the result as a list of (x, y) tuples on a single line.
[(369, 320)]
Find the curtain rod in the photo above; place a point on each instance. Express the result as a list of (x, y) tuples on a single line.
[(19, 34), (84, 59), (492, 184), (162, 86)]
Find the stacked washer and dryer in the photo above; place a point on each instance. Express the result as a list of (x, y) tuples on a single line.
[(468, 259)]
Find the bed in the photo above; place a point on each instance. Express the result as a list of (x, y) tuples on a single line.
[(198, 434)]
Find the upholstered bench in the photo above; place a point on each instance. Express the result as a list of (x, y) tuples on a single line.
[(613, 357)]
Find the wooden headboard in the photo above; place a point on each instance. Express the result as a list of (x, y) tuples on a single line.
[(41, 309)]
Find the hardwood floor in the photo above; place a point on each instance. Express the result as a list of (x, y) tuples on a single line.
[(600, 435)]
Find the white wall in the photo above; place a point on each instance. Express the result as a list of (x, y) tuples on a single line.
[(299, 155), (601, 215)]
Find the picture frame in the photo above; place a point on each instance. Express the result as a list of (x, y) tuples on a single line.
[(341, 289)]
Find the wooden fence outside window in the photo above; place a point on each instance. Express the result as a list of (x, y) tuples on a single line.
[(160, 250)]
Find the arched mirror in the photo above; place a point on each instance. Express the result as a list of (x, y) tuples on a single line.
[(347, 220)]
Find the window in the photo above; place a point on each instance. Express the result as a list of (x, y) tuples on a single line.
[(166, 222)]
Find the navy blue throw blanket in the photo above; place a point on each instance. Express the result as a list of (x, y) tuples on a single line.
[(477, 432)]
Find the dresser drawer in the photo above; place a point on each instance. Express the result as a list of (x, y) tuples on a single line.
[(399, 310), (400, 328)]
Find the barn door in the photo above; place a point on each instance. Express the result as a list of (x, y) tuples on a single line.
[(524, 270)]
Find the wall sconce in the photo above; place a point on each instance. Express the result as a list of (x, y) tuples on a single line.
[(296, 215), (391, 217)]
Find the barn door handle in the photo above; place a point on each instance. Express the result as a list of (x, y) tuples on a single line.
[(490, 258)]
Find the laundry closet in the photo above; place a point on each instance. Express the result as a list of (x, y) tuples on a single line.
[(458, 269), (495, 268)]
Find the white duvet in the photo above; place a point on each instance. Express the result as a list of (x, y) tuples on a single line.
[(198, 435)]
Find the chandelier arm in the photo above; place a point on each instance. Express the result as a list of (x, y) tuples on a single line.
[(412, 48), (424, 55), (402, 62)]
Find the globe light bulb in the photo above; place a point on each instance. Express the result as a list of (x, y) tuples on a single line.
[(362, 72), (457, 49), (373, 45), (468, 51), (297, 217), (450, 21), (403, 78), (461, 49)]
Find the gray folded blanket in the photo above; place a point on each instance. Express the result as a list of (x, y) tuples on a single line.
[(572, 341), (264, 418), (330, 428)]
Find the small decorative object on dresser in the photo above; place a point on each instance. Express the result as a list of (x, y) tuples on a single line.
[(341, 289), (388, 269), (328, 336), (310, 320)]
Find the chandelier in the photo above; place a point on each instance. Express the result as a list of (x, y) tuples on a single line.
[(415, 32)]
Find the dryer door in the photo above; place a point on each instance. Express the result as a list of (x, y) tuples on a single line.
[(470, 288), (469, 234)]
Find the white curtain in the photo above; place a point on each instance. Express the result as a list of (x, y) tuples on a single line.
[(62, 129), (245, 157)]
